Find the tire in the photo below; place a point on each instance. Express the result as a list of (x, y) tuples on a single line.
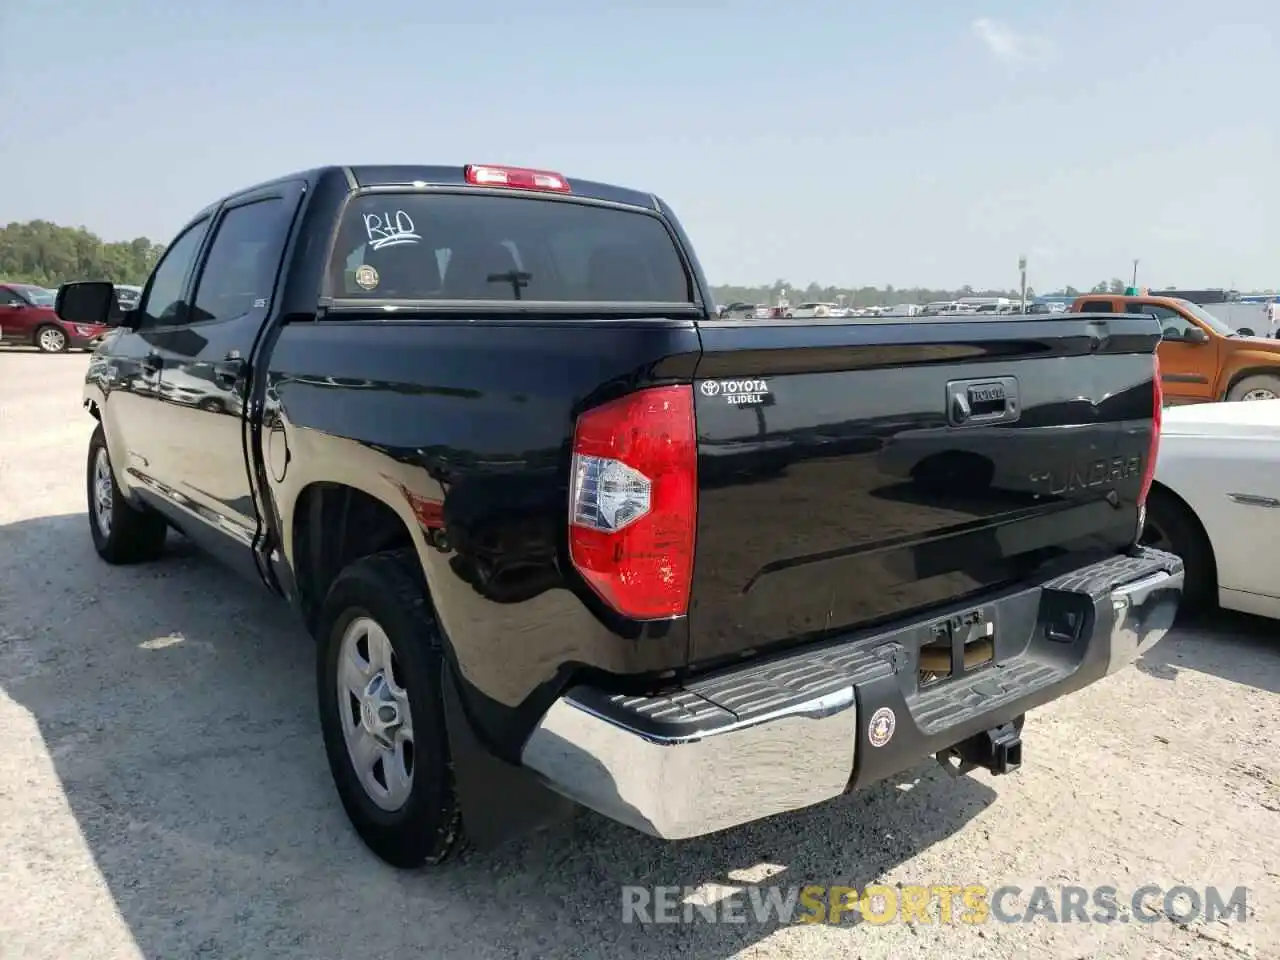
[(421, 822), (1261, 386), (1172, 526), (212, 405), (50, 338), (122, 534)]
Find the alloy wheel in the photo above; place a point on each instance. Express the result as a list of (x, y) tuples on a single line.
[(377, 724)]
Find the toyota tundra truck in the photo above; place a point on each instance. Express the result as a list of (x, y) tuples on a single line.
[(566, 538)]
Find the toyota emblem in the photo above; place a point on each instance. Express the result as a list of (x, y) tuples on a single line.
[(710, 387)]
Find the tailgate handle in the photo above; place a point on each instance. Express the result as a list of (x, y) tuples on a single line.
[(982, 402)]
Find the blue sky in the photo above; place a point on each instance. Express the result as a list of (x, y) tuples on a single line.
[(852, 143)]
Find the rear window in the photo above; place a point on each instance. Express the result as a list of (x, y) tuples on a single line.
[(484, 247)]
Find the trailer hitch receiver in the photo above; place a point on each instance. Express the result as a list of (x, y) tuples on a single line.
[(998, 750)]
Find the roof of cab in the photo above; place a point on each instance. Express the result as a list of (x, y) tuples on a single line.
[(357, 177), (388, 176)]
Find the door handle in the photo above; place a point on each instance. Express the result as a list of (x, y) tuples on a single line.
[(1254, 500)]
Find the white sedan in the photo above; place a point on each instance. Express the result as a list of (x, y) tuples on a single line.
[(814, 310), (1216, 503)]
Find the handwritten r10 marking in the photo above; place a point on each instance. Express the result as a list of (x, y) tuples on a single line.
[(390, 229)]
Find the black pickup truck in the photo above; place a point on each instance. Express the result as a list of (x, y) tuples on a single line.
[(564, 536)]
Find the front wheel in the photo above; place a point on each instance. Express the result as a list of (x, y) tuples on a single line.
[(121, 533), (379, 681), (51, 339), (1261, 386), (1172, 527)]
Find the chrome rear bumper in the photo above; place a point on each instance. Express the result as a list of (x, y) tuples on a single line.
[(766, 738)]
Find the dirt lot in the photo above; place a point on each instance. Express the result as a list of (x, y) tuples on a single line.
[(163, 791)]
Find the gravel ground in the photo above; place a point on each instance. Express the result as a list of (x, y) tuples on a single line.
[(163, 790)]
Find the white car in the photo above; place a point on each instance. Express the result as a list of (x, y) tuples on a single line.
[(1216, 503), (808, 310)]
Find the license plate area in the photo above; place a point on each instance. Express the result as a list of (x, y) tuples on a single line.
[(957, 645)]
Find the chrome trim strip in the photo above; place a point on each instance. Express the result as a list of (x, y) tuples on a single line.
[(1253, 500)]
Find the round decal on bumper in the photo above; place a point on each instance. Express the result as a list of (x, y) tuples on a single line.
[(880, 729)]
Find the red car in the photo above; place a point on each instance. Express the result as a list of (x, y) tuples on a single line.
[(26, 316)]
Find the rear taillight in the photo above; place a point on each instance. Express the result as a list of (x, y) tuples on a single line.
[(522, 178), (633, 501), (1153, 452)]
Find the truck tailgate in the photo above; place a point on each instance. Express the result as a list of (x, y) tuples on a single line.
[(853, 472)]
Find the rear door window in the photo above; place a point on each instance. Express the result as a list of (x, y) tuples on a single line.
[(240, 269), (451, 247)]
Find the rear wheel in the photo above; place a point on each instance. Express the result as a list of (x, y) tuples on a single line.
[(379, 680), (1262, 386), (51, 339), (1171, 526), (121, 533)]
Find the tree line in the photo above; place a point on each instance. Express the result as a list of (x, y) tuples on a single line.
[(48, 254)]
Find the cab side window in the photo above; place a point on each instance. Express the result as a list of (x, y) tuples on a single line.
[(163, 304), (240, 271), (1173, 325), (1096, 306)]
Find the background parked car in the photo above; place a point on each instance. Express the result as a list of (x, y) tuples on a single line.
[(807, 310), (127, 295), (743, 311), (27, 316), (1202, 358), (1216, 503)]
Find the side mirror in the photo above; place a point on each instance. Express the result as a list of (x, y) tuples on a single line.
[(86, 301), (1246, 332), (1196, 335)]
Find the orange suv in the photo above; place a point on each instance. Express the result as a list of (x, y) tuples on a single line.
[(1201, 358)]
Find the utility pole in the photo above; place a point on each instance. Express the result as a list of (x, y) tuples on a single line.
[(1022, 267), (1135, 273)]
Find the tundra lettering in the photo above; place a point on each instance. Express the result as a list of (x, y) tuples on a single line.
[(484, 430), (1088, 476)]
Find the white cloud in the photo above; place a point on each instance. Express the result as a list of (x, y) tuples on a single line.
[(1007, 44)]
